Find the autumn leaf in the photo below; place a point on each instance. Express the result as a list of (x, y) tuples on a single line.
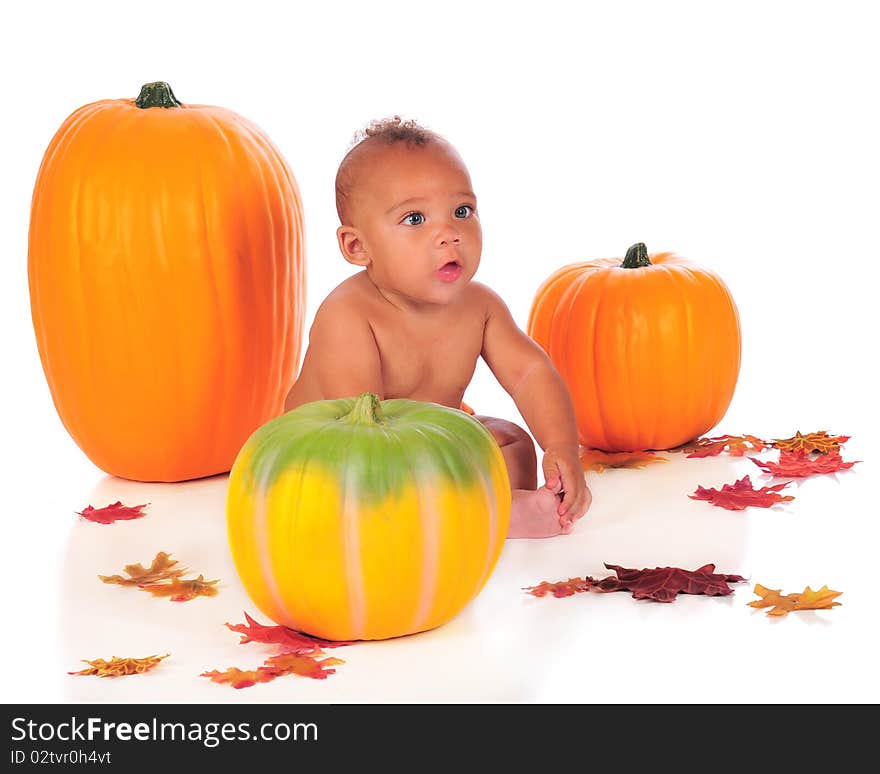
[(661, 584), (741, 495), (159, 570), (811, 442), (304, 664), (290, 639), (114, 512), (782, 604), (664, 584), (182, 590), (560, 588), (239, 678), (799, 464), (736, 445), (119, 667), (594, 459)]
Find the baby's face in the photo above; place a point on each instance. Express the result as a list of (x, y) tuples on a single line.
[(416, 214)]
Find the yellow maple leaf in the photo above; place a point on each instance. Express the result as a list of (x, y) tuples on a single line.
[(811, 442), (782, 604), (593, 459), (119, 667)]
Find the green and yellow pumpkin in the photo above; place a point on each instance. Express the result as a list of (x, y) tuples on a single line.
[(361, 519)]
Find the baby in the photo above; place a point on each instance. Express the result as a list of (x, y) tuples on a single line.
[(413, 323)]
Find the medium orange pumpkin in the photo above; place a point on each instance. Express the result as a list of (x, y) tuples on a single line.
[(167, 282), (649, 347)]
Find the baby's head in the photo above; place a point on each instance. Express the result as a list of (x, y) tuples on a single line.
[(408, 213)]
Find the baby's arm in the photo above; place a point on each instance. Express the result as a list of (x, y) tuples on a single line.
[(527, 375), (342, 359)]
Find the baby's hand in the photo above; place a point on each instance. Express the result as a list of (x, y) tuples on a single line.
[(564, 473)]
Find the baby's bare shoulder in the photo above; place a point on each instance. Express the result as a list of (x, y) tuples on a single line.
[(348, 301)]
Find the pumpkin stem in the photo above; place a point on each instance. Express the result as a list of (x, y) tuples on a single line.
[(366, 411), (636, 257), (156, 94)]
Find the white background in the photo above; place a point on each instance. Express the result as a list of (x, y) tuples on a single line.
[(742, 136)]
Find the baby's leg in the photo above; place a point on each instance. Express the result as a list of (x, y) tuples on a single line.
[(533, 511)]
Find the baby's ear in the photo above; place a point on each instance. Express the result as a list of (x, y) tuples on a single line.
[(352, 246)]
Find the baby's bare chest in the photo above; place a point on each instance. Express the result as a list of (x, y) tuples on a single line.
[(430, 361)]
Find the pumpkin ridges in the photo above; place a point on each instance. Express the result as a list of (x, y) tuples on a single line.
[(87, 407)]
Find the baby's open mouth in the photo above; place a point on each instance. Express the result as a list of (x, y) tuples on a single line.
[(450, 271)]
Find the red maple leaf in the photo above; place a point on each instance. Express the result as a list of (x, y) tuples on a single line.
[(664, 584), (799, 464), (281, 635), (114, 512), (739, 496), (560, 588)]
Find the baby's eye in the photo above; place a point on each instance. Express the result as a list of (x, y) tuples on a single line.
[(414, 219), (463, 211)]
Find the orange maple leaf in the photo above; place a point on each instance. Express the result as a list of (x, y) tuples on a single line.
[(181, 590), (159, 570), (811, 442), (119, 667), (594, 459), (799, 464), (782, 604)]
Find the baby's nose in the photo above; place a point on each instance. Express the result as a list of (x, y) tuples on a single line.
[(449, 236)]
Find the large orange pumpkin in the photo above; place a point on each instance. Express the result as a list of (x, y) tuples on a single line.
[(167, 282), (649, 347)]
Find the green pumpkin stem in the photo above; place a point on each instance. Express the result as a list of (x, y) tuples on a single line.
[(156, 94), (366, 411), (636, 257)]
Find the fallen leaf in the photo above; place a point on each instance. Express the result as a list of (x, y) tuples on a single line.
[(239, 678), (798, 464), (159, 570), (741, 495), (182, 590), (118, 667), (782, 604), (304, 664), (661, 584), (594, 459), (811, 442), (114, 512), (559, 589), (290, 639), (736, 445), (664, 584)]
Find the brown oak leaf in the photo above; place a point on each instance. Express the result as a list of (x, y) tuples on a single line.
[(290, 639), (664, 584), (736, 445), (113, 512), (782, 604), (741, 495), (819, 442), (594, 459), (560, 588), (159, 570), (238, 678), (799, 464), (304, 664), (118, 667), (183, 590)]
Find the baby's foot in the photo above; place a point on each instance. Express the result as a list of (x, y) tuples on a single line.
[(533, 514)]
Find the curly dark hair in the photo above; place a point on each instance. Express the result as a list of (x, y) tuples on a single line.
[(388, 131)]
